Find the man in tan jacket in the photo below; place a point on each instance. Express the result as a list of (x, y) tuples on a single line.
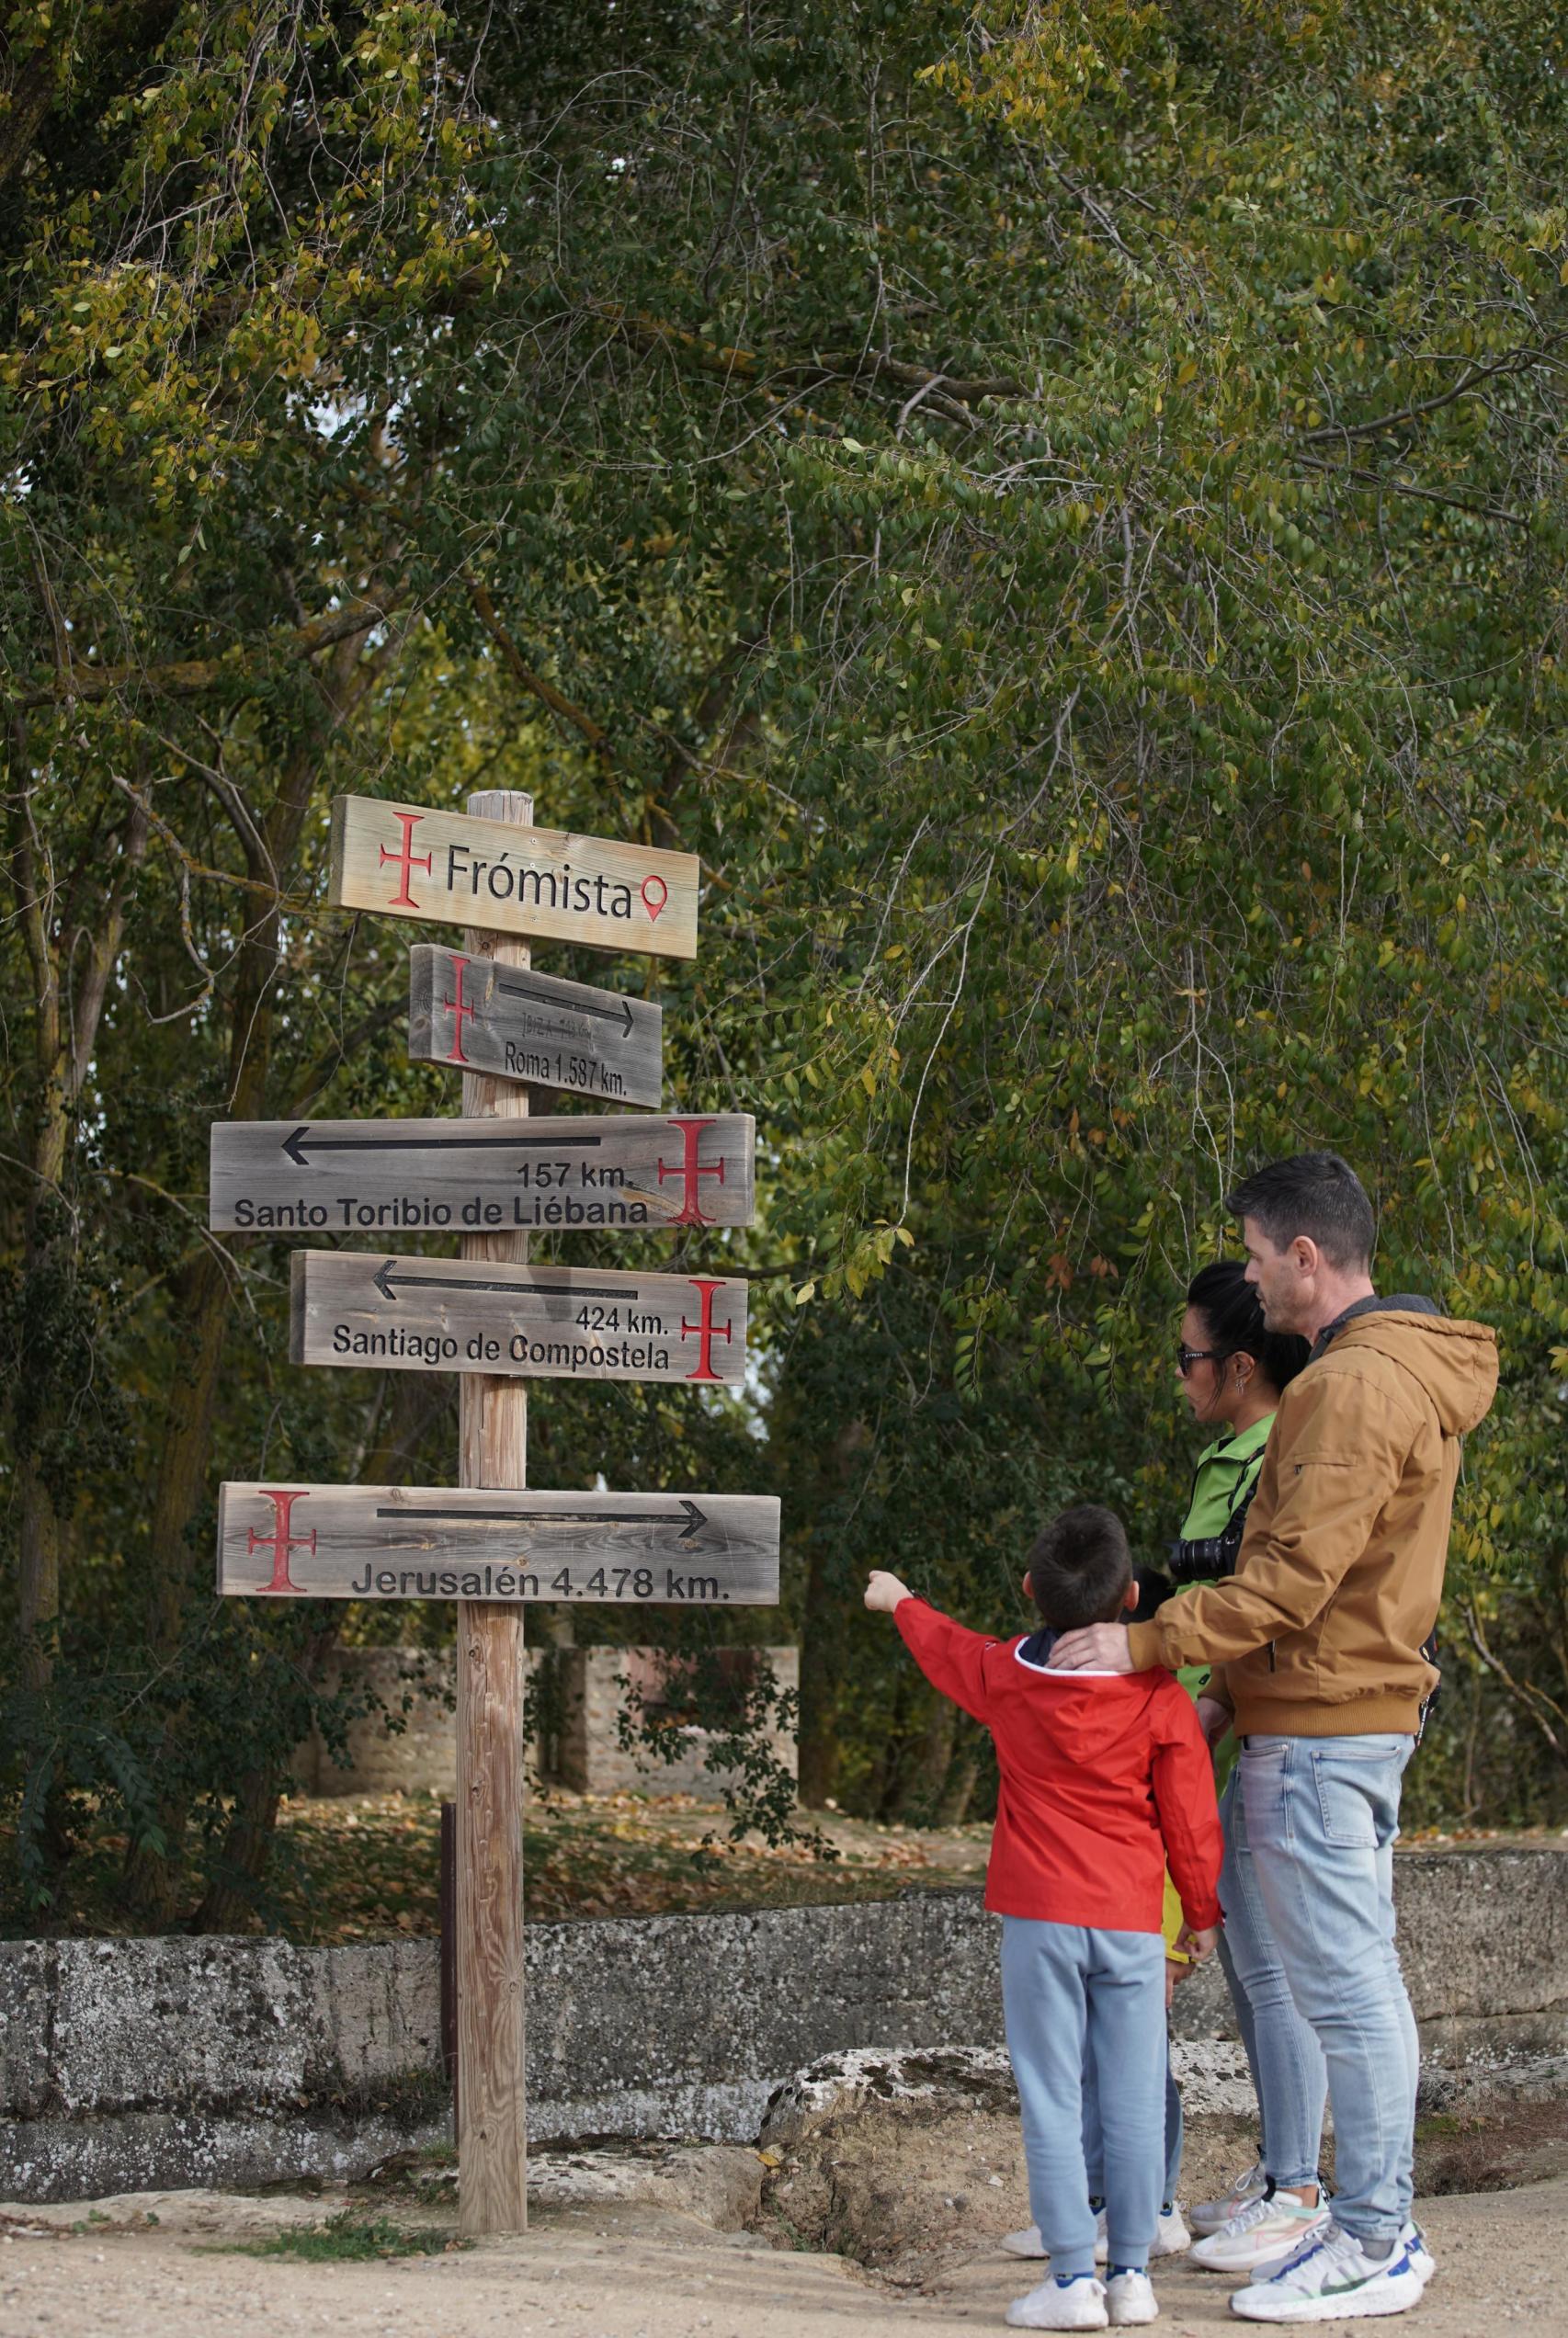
[(1317, 1643)]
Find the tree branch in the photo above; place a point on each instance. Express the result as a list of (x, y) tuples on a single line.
[(520, 671), (1517, 361), (187, 677)]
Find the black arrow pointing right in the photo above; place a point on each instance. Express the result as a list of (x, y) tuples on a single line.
[(620, 1013), (696, 1519)]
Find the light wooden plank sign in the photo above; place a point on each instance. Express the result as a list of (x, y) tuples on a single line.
[(490, 1543), (582, 1170), (560, 1322), (405, 860), (477, 1016)]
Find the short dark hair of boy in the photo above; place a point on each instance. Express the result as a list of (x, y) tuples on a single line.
[(1315, 1194), (1080, 1568)]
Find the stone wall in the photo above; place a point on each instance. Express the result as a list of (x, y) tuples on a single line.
[(131, 2064), (581, 1746)]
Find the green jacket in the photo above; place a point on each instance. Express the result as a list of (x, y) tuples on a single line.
[(1223, 1486)]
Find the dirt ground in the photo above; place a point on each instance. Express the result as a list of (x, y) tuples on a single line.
[(628, 2270)]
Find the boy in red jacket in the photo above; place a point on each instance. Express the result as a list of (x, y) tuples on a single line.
[(1105, 1780)]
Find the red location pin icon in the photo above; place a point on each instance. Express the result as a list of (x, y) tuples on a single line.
[(655, 893)]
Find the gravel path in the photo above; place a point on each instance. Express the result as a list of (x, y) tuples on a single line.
[(630, 2272)]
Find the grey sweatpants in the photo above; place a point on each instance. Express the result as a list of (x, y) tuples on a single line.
[(1063, 1985)]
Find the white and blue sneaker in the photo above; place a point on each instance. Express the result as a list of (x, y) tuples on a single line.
[(1331, 2279), (1074, 2301), (1411, 2238)]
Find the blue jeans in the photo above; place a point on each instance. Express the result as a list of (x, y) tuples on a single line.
[(1065, 1987), (1093, 2134), (1321, 1815), (1286, 2060)]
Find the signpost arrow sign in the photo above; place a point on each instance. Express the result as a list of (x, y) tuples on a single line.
[(450, 1315), (479, 1177), (476, 1015), (438, 1542), (405, 860)]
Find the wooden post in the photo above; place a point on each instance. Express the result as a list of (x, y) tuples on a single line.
[(494, 1437)]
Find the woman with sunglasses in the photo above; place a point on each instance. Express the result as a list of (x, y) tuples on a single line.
[(1232, 1372)]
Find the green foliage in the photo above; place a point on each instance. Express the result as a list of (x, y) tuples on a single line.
[(1062, 507), (351, 2237)]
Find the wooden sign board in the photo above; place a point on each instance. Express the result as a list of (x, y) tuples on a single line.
[(483, 1542), (481, 1176), (479, 1015), (405, 860), (561, 1322)]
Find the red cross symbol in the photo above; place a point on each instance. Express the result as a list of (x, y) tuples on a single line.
[(707, 1330), (280, 1541), (691, 1169), (461, 1012), (406, 859)]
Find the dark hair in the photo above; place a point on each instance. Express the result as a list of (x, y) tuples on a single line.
[(1232, 1316), (1080, 1568), (1314, 1193)]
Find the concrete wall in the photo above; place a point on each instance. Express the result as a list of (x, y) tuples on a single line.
[(583, 1753), (131, 2064)]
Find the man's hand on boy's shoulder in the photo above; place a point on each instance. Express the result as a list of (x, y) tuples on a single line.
[(1100, 1647), (884, 1592)]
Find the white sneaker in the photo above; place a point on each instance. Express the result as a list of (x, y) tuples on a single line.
[(1422, 2262), (1130, 2298), (1171, 2236), (1210, 2215), (1331, 2280), (1265, 2232), (1027, 2243), (1078, 2304)]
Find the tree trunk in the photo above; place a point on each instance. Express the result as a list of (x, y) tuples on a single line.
[(957, 1786), (924, 1761), (821, 1660), (154, 1879)]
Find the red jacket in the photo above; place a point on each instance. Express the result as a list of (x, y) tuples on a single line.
[(1106, 1778)]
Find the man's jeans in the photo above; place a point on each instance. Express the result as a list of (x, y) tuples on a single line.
[(1321, 1815)]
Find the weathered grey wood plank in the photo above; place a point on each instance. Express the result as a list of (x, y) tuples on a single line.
[(560, 1323), (385, 1177), (476, 1016), (474, 1542), (405, 860)]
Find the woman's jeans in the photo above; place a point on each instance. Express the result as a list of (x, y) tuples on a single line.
[(1307, 1895), (1065, 1987), (1286, 2060)]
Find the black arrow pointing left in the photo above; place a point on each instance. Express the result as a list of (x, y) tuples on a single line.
[(294, 1145), (386, 1276)]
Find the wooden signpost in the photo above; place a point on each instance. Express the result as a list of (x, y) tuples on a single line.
[(434, 1542), (564, 1323), (405, 860), (477, 1017), (493, 1544), (581, 1171)]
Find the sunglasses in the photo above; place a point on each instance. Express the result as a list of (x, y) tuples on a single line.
[(1188, 1356)]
